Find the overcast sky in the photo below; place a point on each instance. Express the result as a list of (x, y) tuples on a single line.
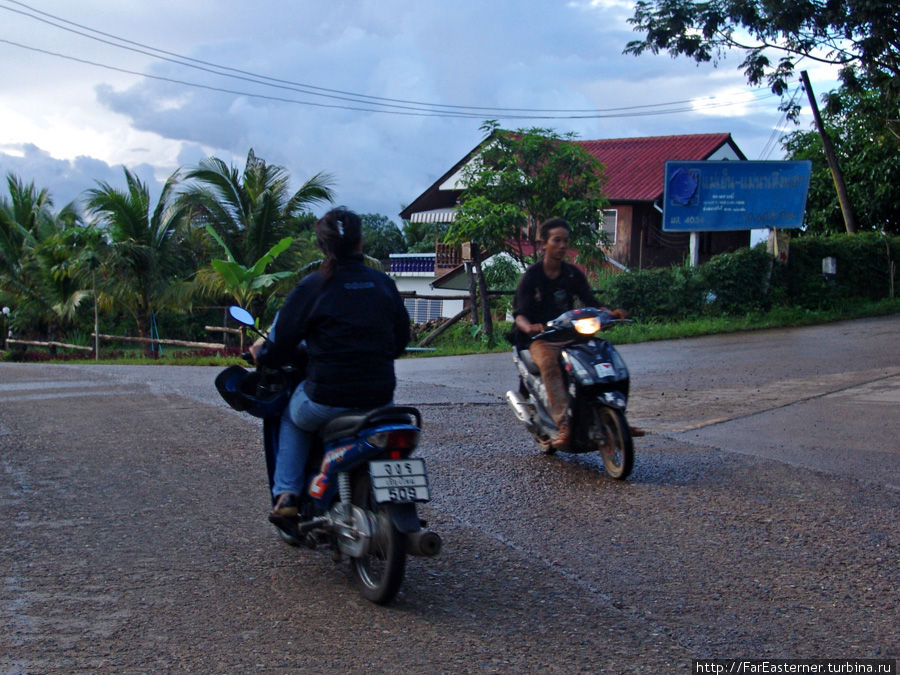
[(384, 95)]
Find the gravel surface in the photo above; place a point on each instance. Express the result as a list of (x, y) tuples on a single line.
[(134, 538)]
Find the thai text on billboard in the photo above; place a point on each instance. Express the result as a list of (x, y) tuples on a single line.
[(734, 195)]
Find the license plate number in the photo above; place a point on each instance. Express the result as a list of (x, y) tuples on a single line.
[(399, 480)]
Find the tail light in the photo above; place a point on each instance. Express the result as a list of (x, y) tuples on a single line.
[(395, 439)]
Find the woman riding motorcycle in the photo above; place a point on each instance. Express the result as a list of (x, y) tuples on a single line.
[(355, 325)]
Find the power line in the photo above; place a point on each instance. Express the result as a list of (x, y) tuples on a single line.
[(778, 129), (386, 110), (385, 105)]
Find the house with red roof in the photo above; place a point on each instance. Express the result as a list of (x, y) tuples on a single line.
[(634, 172)]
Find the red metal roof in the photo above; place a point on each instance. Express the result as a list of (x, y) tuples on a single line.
[(635, 167)]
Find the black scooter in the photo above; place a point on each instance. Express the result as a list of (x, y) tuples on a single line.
[(363, 483), (597, 380)]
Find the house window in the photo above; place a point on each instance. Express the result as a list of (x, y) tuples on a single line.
[(608, 224), (422, 309)]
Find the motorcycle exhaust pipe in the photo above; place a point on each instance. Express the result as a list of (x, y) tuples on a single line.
[(520, 408), (424, 543)]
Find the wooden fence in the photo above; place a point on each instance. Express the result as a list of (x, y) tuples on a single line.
[(122, 338)]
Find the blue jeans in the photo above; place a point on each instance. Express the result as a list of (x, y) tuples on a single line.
[(300, 421)]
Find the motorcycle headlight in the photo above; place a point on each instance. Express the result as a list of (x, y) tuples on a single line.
[(587, 326)]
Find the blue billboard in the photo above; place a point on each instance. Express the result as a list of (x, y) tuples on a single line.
[(734, 195)]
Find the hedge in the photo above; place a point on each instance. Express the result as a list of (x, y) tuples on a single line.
[(751, 280)]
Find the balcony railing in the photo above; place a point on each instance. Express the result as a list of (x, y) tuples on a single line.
[(446, 258)]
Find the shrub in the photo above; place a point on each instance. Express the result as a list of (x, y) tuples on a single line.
[(749, 280), (661, 293), (738, 282)]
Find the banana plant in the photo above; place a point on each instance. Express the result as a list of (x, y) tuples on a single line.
[(245, 284)]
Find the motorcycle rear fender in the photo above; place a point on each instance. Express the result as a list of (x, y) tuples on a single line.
[(345, 455), (404, 517)]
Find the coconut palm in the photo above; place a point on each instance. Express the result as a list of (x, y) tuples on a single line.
[(143, 266), (251, 212), (27, 225)]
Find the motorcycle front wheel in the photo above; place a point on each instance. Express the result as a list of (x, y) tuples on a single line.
[(378, 572), (612, 436)]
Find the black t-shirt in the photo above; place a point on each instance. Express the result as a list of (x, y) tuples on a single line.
[(541, 299)]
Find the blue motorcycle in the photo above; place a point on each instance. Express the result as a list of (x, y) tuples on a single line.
[(363, 483)]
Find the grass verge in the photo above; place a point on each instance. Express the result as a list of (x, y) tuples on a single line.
[(463, 338)]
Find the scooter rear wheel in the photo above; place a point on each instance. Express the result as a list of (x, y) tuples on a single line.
[(613, 437), (378, 572)]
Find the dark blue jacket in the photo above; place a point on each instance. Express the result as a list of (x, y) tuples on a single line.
[(355, 325)]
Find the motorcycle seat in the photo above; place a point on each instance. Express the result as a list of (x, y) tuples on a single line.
[(530, 365), (350, 423)]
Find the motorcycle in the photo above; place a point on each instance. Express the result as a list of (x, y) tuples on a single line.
[(363, 484), (597, 381)]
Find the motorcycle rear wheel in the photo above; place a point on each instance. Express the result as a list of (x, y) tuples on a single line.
[(379, 572), (613, 436)]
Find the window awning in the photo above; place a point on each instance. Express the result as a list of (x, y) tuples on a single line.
[(434, 216)]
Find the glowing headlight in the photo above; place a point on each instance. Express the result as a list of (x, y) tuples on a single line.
[(587, 326)]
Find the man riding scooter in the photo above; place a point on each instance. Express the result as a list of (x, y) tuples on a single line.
[(547, 289)]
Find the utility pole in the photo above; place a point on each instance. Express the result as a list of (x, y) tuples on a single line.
[(840, 186)]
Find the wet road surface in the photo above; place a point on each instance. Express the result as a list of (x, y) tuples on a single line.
[(761, 521)]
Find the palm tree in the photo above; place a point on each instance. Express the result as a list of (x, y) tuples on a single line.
[(250, 212), (26, 221), (143, 262)]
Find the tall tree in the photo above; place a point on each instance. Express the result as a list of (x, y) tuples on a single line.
[(862, 38), (143, 262), (856, 118), (254, 209), (421, 237), (517, 180), (381, 236), (251, 211), (28, 225)]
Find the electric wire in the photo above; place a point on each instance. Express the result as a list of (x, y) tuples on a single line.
[(393, 106), (778, 129), (180, 59), (396, 110)]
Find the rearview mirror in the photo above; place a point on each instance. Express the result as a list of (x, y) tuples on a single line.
[(241, 315)]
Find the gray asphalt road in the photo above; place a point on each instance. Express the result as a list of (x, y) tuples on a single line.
[(761, 521)]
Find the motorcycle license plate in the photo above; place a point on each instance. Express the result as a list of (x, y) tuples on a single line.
[(399, 480)]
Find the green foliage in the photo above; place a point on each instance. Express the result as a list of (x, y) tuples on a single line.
[(663, 293), (859, 37), (144, 262), (501, 274), (251, 212), (749, 281), (862, 125), (738, 281), (245, 283), (863, 269), (421, 237), (381, 236), (520, 178)]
